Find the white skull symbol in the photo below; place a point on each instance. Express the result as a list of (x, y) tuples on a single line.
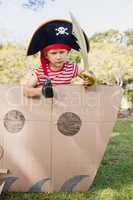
[(61, 31)]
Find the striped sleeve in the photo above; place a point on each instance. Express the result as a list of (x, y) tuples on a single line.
[(75, 70), (40, 75), (80, 69)]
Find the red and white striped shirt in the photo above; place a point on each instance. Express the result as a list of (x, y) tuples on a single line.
[(64, 76)]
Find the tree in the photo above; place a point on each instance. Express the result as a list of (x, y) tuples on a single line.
[(129, 33), (34, 4), (107, 35), (14, 66), (111, 62)]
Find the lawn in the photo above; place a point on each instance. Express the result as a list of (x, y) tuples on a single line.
[(114, 179)]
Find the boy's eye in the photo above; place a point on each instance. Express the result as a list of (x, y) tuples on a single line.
[(53, 53), (61, 52)]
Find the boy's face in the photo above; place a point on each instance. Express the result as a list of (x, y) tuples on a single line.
[(57, 57)]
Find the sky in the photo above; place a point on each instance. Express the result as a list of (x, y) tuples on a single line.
[(93, 16)]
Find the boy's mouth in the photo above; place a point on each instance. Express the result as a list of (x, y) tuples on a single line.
[(59, 62)]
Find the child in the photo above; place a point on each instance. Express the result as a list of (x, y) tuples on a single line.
[(54, 40)]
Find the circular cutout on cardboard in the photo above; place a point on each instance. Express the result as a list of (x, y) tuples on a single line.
[(14, 121), (69, 123)]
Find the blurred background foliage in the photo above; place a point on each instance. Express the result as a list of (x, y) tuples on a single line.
[(14, 64)]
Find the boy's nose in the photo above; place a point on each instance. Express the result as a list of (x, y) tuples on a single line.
[(58, 55)]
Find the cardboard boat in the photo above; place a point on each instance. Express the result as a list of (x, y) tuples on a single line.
[(55, 144)]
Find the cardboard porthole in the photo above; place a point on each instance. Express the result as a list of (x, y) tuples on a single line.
[(69, 123), (14, 121)]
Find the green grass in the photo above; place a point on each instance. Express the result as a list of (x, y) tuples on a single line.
[(114, 179)]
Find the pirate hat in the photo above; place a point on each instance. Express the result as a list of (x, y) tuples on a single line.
[(54, 32)]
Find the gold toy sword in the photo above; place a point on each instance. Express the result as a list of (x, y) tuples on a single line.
[(77, 31)]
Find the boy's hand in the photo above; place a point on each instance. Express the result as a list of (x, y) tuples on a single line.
[(32, 92), (88, 77)]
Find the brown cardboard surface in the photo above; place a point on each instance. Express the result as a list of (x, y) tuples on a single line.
[(55, 144)]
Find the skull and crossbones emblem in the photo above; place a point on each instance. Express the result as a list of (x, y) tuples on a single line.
[(61, 31)]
